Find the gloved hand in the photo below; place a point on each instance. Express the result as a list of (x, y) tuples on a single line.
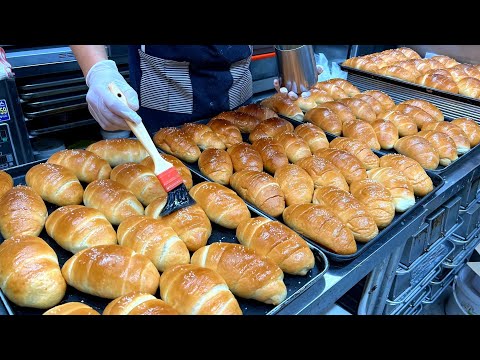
[(105, 107), (5, 67), (291, 89)]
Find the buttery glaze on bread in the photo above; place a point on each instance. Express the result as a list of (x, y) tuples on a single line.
[(119, 151), (404, 124), (436, 80), (260, 189), (358, 149), (418, 115), (55, 184), (281, 104), (376, 105), (245, 157), (305, 101), (296, 184), (181, 168), (418, 149), (360, 109), (257, 111), (72, 308), (76, 227), (348, 209), (226, 131), (247, 274), (140, 180), (455, 132), (272, 153), (350, 166), (245, 122), (176, 142), (216, 164), (350, 89), (295, 147), (138, 303), (469, 86), (386, 132), (270, 128), (470, 128), (362, 131), (323, 172), (320, 224), (113, 199), (195, 290), (150, 237), (222, 205), (319, 96), (332, 89), (203, 136), (278, 243), (313, 136), (325, 119), (426, 106), (383, 98), (110, 271), (444, 144), (22, 212), (6, 182), (86, 165), (29, 272)]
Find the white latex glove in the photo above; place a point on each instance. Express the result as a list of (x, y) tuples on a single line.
[(291, 89), (105, 107), (5, 67)]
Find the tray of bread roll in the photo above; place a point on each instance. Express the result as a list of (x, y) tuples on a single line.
[(325, 191), (106, 214)]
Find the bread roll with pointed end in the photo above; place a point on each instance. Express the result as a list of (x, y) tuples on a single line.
[(470, 128), (463, 71), (181, 168), (352, 168), (404, 124), (418, 149), (320, 224), (409, 53), (138, 303), (110, 271), (348, 209), (339, 113), (383, 98), (444, 144), (76, 227), (398, 185), (429, 108), (158, 242), (350, 89), (362, 131), (376, 105), (245, 157), (6, 182), (221, 204), (413, 171), (244, 122), (191, 225), (257, 111), (448, 62), (226, 131), (360, 109), (320, 96), (140, 180), (436, 80), (386, 132), (410, 67), (456, 133), (272, 153), (176, 142), (325, 119), (358, 149), (22, 212), (247, 274), (282, 105), (260, 189), (305, 102), (86, 165), (113, 199), (333, 90), (29, 272), (217, 165), (313, 136), (296, 184), (270, 128), (323, 172), (469, 86), (72, 308), (377, 200), (55, 184), (203, 136), (278, 243), (295, 147), (399, 72), (119, 151), (417, 114), (194, 290)]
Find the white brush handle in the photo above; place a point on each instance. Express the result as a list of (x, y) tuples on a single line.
[(142, 135)]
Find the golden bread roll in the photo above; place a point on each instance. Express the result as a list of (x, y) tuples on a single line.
[(463, 71), (456, 133), (429, 108), (270, 128), (399, 72), (22, 212), (418, 115), (222, 205), (119, 151), (444, 144), (216, 165), (257, 111), (413, 171), (360, 109), (272, 153), (194, 290), (203, 136), (55, 184), (376, 105), (181, 168), (358, 149), (138, 303), (110, 271), (362, 131), (277, 242), (436, 80), (113, 199), (247, 274), (410, 67), (386, 132), (333, 90), (399, 186), (383, 98), (245, 157), (305, 101), (6, 182), (325, 119), (72, 308), (404, 124), (348, 209), (409, 53), (350, 89), (29, 272), (418, 149), (76, 227), (320, 224), (319, 96), (176, 142), (243, 121), (226, 131), (448, 62), (469, 86), (295, 147), (350, 166), (86, 165), (260, 189), (282, 105), (470, 128), (313, 136), (296, 184), (323, 172)]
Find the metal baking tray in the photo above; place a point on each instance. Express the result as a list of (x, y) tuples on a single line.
[(296, 285)]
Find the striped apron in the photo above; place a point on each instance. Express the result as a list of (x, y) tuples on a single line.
[(183, 83)]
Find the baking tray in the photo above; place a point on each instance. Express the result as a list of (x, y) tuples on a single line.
[(296, 285)]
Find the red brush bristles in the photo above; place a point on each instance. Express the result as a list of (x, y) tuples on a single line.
[(170, 179)]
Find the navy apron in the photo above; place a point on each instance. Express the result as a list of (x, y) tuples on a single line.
[(183, 83)]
